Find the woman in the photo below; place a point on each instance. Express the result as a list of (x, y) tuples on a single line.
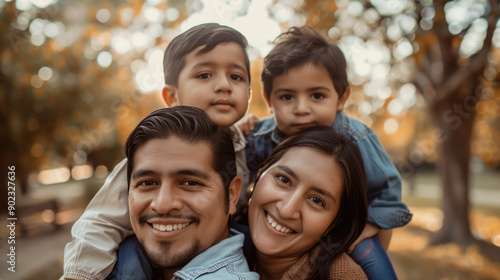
[(307, 207)]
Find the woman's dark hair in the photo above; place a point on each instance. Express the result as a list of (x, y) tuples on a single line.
[(192, 125), (352, 216), (209, 35)]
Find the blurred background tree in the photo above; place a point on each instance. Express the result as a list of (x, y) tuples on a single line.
[(77, 76)]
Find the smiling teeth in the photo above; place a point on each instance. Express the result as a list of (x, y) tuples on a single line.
[(170, 227), (276, 226)]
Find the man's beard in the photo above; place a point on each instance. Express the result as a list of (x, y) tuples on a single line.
[(165, 259)]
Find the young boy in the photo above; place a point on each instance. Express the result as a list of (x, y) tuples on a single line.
[(305, 84), (205, 67)]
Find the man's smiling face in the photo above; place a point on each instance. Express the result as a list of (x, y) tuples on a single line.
[(177, 201)]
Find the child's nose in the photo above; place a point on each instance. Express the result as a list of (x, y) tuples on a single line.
[(302, 106), (222, 85)]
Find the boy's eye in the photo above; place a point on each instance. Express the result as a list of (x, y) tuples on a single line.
[(203, 76), (318, 96), (236, 77), (286, 97)]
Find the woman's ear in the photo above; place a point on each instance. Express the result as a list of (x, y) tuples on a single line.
[(170, 96)]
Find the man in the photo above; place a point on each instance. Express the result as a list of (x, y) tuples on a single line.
[(183, 188)]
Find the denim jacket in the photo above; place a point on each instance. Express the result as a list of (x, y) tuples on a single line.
[(224, 260), (383, 181)]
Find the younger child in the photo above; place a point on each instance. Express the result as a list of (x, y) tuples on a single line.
[(206, 67), (305, 85)]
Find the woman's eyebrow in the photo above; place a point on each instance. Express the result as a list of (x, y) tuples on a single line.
[(316, 189), (324, 192), (288, 171)]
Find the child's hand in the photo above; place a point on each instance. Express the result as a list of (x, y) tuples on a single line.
[(247, 123), (369, 231)]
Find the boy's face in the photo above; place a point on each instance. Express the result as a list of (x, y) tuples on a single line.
[(304, 97), (216, 82)]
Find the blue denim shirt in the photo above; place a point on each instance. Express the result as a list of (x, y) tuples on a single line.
[(383, 181), (224, 260)]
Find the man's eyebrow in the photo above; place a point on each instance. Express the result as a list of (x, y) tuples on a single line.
[(192, 172), (316, 189), (143, 172)]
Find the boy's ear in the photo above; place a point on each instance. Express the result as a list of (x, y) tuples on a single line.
[(343, 100), (267, 102), (234, 194), (170, 96)]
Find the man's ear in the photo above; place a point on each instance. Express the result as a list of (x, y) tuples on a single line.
[(343, 100), (170, 96), (264, 95), (234, 194)]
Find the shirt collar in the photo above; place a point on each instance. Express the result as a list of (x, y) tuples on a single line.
[(238, 138)]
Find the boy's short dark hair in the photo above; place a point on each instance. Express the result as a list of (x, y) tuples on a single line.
[(209, 35), (192, 125), (299, 46)]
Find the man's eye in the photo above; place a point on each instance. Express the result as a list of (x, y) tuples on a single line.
[(204, 76), (318, 96), (190, 183), (236, 77), (147, 183)]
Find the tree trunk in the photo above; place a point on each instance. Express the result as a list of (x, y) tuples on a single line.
[(454, 119)]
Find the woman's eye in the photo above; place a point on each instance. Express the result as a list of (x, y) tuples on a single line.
[(204, 76), (236, 77), (283, 179), (317, 201), (318, 96)]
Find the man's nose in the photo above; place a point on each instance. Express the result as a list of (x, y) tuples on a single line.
[(167, 198), (302, 106)]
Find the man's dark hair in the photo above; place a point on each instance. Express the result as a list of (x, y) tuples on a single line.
[(299, 46), (191, 125), (209, 35)]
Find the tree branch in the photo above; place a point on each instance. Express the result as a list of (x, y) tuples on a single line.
[(477, 62)]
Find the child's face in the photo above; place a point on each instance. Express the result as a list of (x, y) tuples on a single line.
[(304, 97), (216, 82)]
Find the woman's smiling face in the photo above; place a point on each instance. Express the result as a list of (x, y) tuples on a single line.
[(294, 202)]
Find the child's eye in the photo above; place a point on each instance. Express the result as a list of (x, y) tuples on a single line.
[(203, 76), (318, 96), (286, 97), (236, 77)]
